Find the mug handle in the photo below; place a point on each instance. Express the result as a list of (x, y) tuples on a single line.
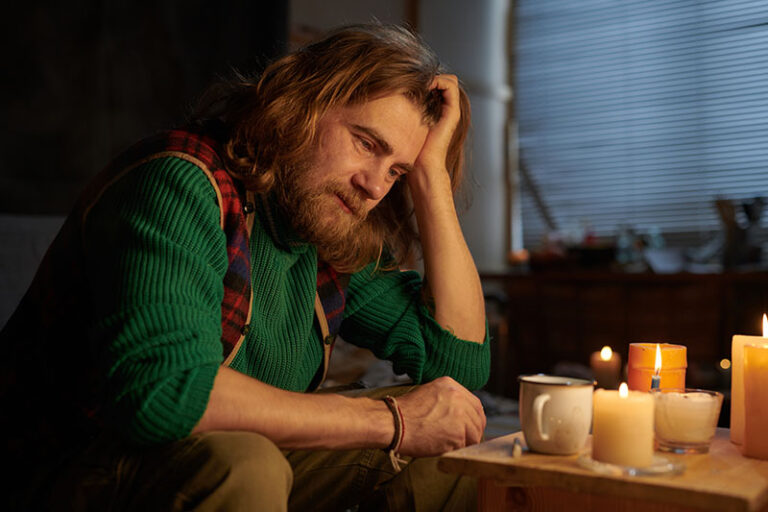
[(538, 412)]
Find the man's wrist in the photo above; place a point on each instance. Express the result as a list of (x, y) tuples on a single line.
[(379, 425), (397, 417), (424, 182)]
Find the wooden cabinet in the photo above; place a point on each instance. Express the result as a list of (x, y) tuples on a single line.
[(542, 320)]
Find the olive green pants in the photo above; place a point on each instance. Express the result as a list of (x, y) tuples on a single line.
[(246, 471)]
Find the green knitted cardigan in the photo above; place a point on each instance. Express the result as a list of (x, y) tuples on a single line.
[(154, 242)]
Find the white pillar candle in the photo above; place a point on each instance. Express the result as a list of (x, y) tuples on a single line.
[(737, 380), (622, 428)]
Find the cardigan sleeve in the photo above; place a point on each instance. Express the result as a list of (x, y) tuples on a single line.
[(385, 314), (156, 257)]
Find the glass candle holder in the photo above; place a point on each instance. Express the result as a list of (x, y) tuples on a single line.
[(685, 419)]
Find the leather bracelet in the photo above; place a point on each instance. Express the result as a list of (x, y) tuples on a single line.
[(397, 439)]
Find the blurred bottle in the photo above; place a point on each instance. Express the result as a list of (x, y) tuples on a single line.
[(626, 247), (655, 240)]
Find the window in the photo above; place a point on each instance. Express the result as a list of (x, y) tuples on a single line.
[(641, 113)]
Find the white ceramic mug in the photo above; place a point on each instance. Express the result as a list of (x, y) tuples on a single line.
[(555, 413)]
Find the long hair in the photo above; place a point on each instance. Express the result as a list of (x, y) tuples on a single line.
[(270, 121)]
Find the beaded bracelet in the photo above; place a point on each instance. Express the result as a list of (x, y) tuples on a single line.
[(397, 439)]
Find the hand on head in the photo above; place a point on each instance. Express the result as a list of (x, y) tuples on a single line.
[(432, 156)]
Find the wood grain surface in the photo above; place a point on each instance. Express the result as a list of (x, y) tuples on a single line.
[(721, 480)]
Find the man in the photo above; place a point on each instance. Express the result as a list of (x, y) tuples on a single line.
[(166, 353)]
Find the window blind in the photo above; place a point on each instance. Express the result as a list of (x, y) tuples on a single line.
[(641, 113)]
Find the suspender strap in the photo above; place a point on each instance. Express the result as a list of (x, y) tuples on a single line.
[(320, 312), (330, 301), (328, 340)]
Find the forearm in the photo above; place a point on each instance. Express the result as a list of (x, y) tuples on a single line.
[(450, 270), (295, 420)]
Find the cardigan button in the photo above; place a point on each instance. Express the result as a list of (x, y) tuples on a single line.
[(248, 208), (329, 339), (245, 329)]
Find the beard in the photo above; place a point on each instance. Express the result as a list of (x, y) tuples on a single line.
[(318, 218)]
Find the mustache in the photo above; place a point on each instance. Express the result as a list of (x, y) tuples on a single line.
[(350, 198)]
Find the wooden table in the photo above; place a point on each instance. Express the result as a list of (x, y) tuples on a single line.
[(721, 480)]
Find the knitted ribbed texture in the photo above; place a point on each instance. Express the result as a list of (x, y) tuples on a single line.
[(384, 313), (154, 244), (282, 320), (157, 256)]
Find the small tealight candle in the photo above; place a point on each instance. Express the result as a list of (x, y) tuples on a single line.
[(622, 427), (686, 419), (606, 366), (737, 380)]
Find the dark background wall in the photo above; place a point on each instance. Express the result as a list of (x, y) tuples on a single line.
[(85, 78)]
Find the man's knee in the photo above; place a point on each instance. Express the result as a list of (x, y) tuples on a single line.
[(210, 471), (243, 469)]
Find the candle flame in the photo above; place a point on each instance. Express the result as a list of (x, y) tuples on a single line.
[(657, 366), (765, 326), (623, 390), (606, 353)]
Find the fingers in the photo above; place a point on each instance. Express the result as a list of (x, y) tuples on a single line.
[(445, 82), (432, 158), (474, 415), (478, 418), (448, 85), (476, 422)]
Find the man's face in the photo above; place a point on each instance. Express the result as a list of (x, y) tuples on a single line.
[(362, 150)]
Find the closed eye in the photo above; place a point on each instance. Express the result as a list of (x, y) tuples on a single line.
[(372, 142), (395, 174), (366, 144)]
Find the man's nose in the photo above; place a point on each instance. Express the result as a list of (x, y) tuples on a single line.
[(371, 182)]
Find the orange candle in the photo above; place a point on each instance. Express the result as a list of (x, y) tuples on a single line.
[(755, 443), (737, 380), (642, 360)]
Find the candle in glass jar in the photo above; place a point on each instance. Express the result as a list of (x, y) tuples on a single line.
[(606, 367), (687, 415), (642, 362), (622, 427), (755, 404), (737, 380)]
